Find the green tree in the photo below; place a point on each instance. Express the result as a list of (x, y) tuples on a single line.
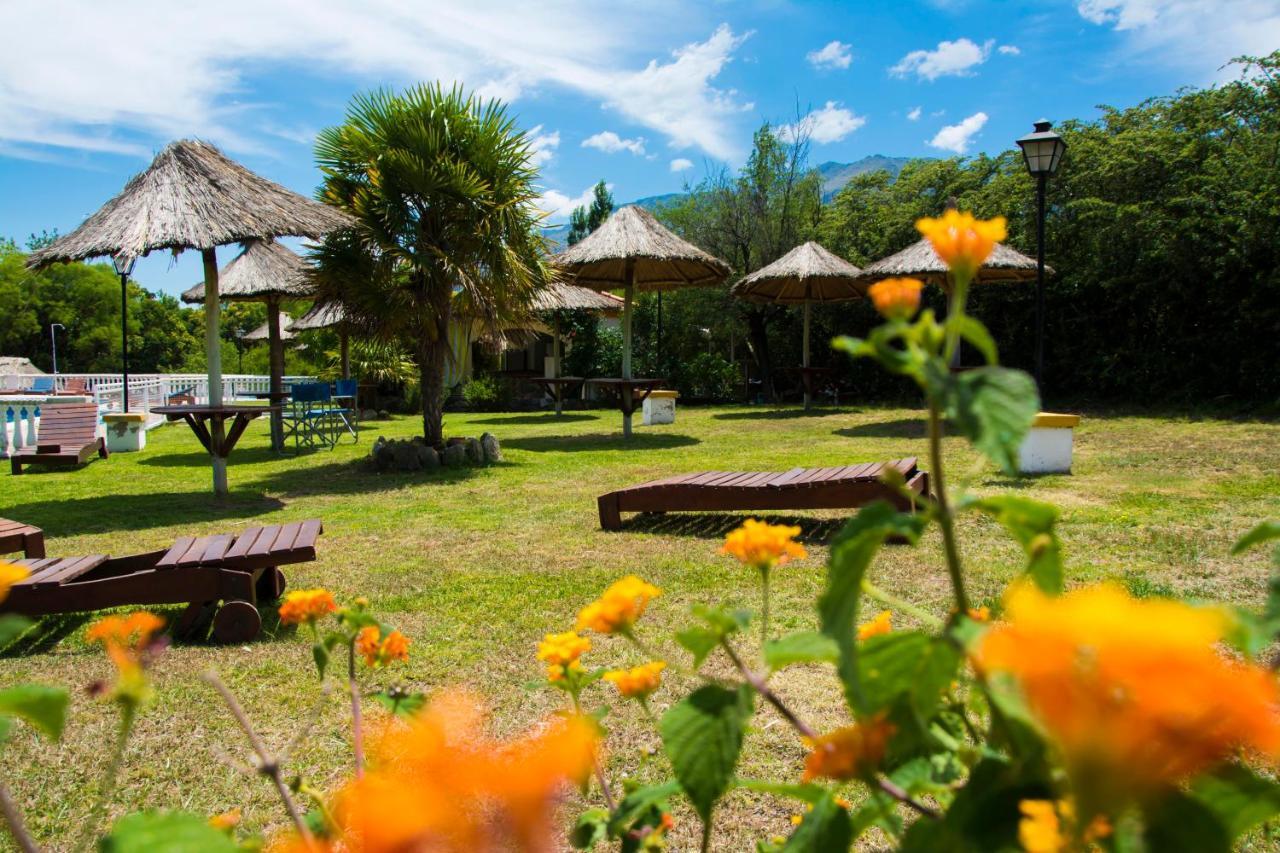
[(442, 187), (585, 219)]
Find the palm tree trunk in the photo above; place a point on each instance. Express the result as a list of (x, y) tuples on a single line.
[(433, 353)]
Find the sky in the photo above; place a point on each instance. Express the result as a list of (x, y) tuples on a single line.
[(647, 96)]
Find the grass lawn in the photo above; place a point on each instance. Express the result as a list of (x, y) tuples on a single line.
[(476, 565)]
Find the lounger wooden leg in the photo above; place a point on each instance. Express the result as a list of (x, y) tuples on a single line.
[(33, 546), (610, 513), (102, 449), (196, 614), (270, 584), (15, 466)]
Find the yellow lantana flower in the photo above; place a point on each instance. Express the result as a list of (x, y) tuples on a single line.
[(561, 653), (1039, 830), (637, 682), (763, 545), (848, 752), (963, 242), (306, 605), (896, 298), (618, 607), (379, 651), (1133, 691), (9, 575), (882, 624)]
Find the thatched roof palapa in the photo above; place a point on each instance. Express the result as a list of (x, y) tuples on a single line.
[(265, 269), (322, 315), (559, 296), (263, 332), (192, 197), (633, 238), (808, 273), (919, 260)]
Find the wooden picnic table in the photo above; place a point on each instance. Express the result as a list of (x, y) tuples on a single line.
[(209, 423), (556, 387), (626, 390)]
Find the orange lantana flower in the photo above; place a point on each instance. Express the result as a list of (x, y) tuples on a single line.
[(561, 652), (637, 682), (439, 783), (127, 640), (1132, 691), (882, 624), (9, 575), (617, 609), (848, 752), (379, 651), (963, 242), (763, 545), (306, 605), (896, 298)]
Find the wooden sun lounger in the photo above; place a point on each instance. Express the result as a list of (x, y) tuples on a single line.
[(839, 487), (68, 436), (239, 570), (16, 536)]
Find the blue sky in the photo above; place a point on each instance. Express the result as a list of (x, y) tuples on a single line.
[(645, 95)]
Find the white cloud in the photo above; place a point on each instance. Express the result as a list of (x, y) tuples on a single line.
[(611, 143), (558, 206), (542, 145), (75, 74), (1010, 50), (835, 54), (956, 58), (1192, 35), (914, 115), (956, 137), (829, 124), (680, 164)]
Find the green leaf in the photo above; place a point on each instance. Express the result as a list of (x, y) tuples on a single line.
[(11, 627), (851, 555), (702, 735), (1180, 823), (1264, 532), (905, 663), (321, 656), (399, 701), (991, 406), (881, 344), (41, 706), (972, 330), (589, 829), (699, 642), (165, 832), (807, 793), (984, 814), (1240, 798), (1031, 523), (825, 827), (801, 647), (639, 801), (720, 622)]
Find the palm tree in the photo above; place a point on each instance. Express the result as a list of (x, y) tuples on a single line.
[(441, 185)]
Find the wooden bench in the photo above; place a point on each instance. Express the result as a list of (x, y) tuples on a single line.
[(16, 536), (239, 570), (838, 487), (68, 435)]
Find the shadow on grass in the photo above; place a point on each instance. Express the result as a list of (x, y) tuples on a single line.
[(705, 525), (901, 428), (600, 441), (108, 513), (200, 459), (1022, 481), (353, 477), (545, 418), (47, 632), (781, 414)]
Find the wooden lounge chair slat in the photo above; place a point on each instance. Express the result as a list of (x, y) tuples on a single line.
[(759, 478), (723, 477), (176, 550), (288, 533), (37, 568), (311, 530), (216, 548), (699, 479), (265, 540), (243, 542), (787, 477), (193, 555), (70, 568)]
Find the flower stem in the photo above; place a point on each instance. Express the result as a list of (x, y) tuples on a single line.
[(13, 819), (267, 765), (128, 712), (945, 520), (892, 789), (764, 607), (706, 836), (357, 723), (757, 683), (901, 604)]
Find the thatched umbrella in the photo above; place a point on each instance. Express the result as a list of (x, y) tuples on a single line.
[(194, 197), (266, 272), (919, 260), (324, 315), (559, 296), (633, 251), (803, 276), (281, 329)]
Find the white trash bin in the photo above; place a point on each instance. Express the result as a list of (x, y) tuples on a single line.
[(660, 407), (126, 431), (1047, 448)]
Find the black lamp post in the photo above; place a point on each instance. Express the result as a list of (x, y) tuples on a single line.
[(124, 267), (1042, 151), (53, 338)]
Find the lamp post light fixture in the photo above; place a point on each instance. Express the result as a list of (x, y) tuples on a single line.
[(124, 268), (1042, 150), (53, 338)]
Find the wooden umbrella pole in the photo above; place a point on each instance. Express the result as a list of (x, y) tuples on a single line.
[(808, 306), (213, 354), (276, 345), (555, 370), (344, 343), (626, 341)]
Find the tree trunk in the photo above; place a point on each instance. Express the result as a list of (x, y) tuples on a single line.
[(760, 348), (433, 352)]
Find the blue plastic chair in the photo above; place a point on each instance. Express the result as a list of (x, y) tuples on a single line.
[(344, 392), (310, 417), (43, 385)]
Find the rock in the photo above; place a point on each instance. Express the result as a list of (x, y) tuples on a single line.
[(427, 456), (475, 452), (384, 415), (492, 451), (455, 456), (368, 414), (405, 456)]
